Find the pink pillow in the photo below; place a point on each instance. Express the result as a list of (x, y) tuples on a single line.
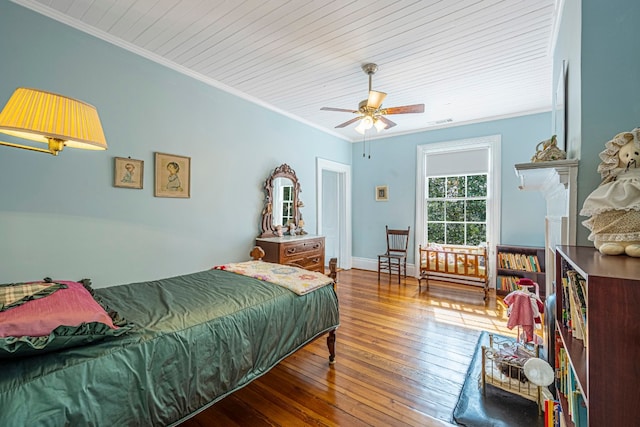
[(69, 307)]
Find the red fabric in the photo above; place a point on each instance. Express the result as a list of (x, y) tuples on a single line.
[(69, 307)]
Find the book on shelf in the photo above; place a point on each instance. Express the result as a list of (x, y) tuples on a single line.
[(575, 300), (553, 413)]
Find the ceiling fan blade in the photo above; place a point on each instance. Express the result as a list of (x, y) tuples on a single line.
[(347, 123), (416, 108), (387, 122), (338, 109), (375, 99)]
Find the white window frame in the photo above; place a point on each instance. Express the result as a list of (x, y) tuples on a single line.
[(464, 198), (493, 144)]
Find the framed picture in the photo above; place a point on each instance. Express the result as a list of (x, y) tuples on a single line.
[(382, 193), (128, 172), (173, 176), (560, 108)]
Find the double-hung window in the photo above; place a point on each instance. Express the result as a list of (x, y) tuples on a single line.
[(458, 192), (456, 209)]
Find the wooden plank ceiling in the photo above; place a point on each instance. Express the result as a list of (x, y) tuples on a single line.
[(466, 60)]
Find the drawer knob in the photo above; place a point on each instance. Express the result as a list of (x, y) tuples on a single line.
[(291, 251)]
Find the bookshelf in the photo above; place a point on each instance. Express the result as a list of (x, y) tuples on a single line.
[(603, 366), (516, 262)]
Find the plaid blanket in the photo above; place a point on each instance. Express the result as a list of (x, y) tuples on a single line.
[(16, 294)]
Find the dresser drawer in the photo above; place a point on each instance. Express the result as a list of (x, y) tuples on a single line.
[(302, 251), (303, 248)]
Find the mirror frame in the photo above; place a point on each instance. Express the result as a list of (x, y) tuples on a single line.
[(282, 171)]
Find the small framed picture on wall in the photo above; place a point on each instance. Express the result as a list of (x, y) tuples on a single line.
[(382, 193), (173, 176), (128, 172)]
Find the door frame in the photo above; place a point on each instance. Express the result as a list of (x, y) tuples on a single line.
[(344, 243)]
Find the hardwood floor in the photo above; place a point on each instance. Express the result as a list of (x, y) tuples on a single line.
[(401, 357)]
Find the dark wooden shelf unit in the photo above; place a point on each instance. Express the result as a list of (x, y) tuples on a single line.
[(502, 270), (607, 367)]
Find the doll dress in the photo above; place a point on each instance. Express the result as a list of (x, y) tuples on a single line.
[(615, 209)]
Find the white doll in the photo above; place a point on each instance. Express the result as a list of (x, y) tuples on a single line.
[(614, 207)]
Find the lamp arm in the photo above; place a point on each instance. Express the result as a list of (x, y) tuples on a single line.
[(55, 146)]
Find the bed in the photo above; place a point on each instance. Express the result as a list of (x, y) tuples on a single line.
[(502, 367), (196, 338), (454, 263)]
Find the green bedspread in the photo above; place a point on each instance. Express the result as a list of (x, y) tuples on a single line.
[(197, 338)]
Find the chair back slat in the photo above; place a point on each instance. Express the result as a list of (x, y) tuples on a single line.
[(397, 240)]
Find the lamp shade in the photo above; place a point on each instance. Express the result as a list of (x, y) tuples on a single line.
[(41, 116), (379, 124)]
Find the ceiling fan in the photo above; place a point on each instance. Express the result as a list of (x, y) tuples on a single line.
[(370, 111)]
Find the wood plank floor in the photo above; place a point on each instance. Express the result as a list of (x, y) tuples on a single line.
[(401, 360)]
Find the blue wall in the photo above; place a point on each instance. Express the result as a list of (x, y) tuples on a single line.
[(61, 216), (601, 41), (393, 163)]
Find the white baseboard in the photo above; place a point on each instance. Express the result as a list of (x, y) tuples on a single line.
[(372, 265)]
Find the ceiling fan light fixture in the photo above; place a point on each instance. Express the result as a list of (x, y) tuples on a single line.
[(367, 122), (379, 125), (370, 112)]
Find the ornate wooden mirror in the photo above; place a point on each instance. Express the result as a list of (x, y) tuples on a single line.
[(282, 201)]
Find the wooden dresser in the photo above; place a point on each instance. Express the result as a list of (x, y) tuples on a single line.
[(305, 251)]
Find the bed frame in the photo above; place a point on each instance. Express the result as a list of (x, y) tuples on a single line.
[(509, 376), (177, 360), (467, 265)]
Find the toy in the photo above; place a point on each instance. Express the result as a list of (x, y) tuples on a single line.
[(549, 151), (614, 207)]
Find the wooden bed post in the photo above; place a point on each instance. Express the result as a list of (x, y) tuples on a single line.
[(333, 270), (331, 338), (331, 344), (257, 253)]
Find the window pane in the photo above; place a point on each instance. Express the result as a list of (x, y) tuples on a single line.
[(435, 232), (454, 211), (477, 185), (287, 193), (435, 211), (477, 210), (436, 187), (476, 234), (455, 234), (455, 186)]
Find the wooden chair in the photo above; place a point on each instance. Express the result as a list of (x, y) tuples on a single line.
[(395, 258)]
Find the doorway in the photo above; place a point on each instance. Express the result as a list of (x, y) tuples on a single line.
[(333, 193)]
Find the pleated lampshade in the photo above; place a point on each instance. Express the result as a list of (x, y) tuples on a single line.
[(40, 116)]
